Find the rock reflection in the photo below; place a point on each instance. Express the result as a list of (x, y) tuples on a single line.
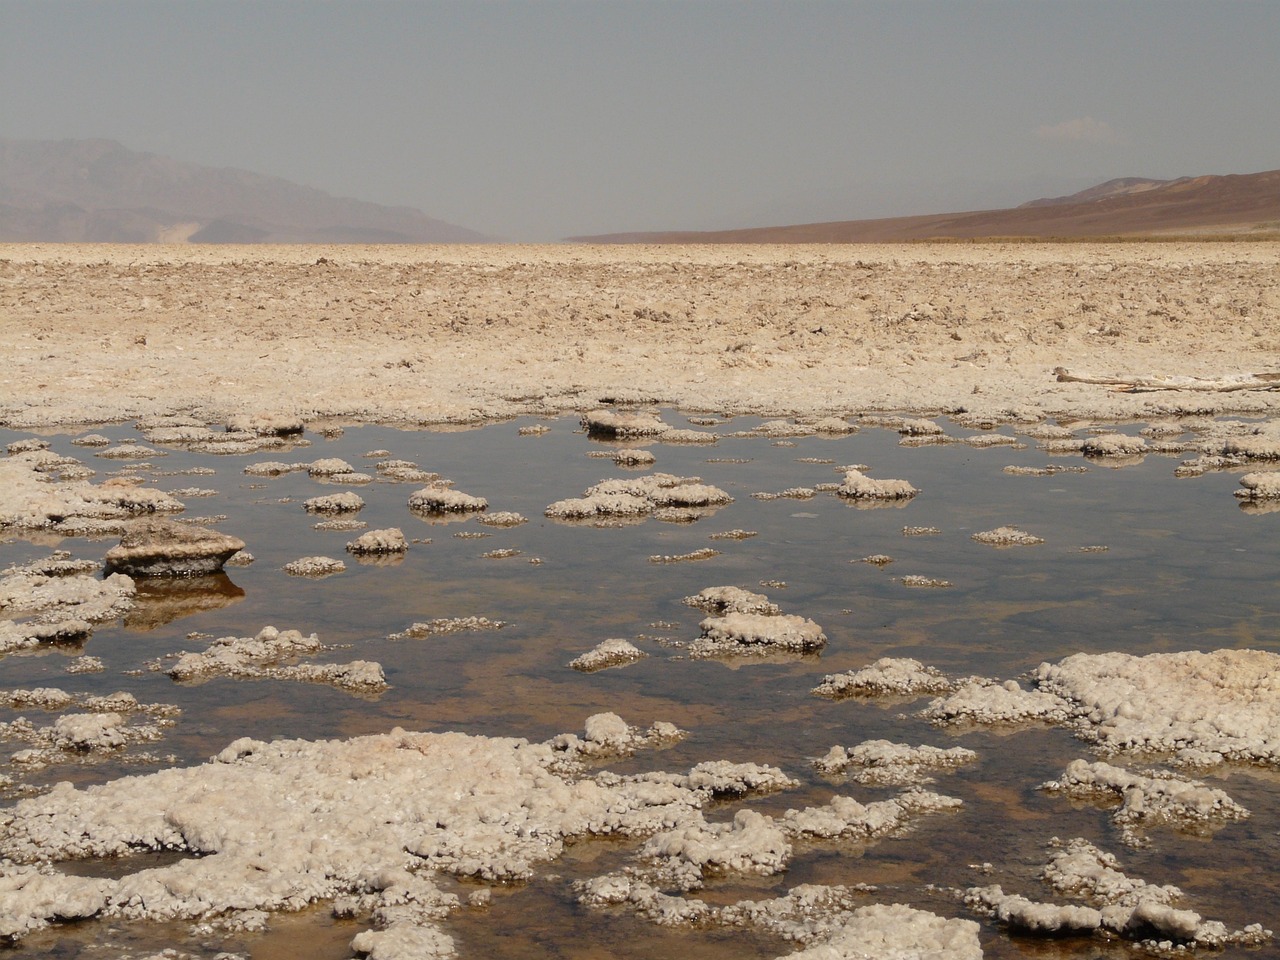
[(163, 600)]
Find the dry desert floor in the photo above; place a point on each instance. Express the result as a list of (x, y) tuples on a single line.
[(95, 333)]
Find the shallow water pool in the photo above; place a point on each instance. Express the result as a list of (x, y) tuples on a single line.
[(1184, 567)]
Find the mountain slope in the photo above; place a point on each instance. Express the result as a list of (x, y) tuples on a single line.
[(1236, 204), (98, 190)]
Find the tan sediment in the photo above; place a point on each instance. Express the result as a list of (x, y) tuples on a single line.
[(457, 333)]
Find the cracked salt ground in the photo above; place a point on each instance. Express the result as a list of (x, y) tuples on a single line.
[(1186, 569)]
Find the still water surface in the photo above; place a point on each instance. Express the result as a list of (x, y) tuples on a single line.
[(1185, 568)]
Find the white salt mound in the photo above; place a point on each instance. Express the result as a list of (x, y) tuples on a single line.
[(314, 567), (284, 824), (858, 486), (345, 502), (732, 600), (1259, 486), (1113, 445), (1114, 903), (638, 496), (888, 676), (756, 633), (389, 540), (445, 500), (1201, 708), (891, 764), (329, 466), (897, 932), (610, 653), (1162, 798), (1006, 537)]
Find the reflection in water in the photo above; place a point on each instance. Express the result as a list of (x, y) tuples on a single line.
[(1184, 569), (162, 600)]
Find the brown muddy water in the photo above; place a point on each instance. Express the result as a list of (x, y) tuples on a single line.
[(1185, 568)]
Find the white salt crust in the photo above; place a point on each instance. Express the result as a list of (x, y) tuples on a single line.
[(345, 502), (736, 634), (263, 656), (32, 499), (1259, 486), (885, 763), (1147, 800), (1006, 537), (615, 652), (638, 497), (58, 599), (314, 567), (1113, 445), (858, 486), (329, 466), (888, 676), (445, 500), (732, 600), (1199, 708), (364, 822), (502, 518), (1112, 903), (389, 540)]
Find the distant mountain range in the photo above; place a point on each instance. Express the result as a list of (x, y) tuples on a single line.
[(1237, 205), (98, 190)]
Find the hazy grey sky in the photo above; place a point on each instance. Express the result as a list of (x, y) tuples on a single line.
[(545, 118)]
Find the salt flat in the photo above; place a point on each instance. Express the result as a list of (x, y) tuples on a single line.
[(465, 333)]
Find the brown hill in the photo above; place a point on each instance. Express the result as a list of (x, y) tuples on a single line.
[(97, 190), (1238, 204)]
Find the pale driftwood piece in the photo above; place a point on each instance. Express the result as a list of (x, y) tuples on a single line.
[(1243, 381)]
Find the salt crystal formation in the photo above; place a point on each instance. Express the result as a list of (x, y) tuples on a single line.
[(314, 567), (732, 600), (681, 858), (163, 548), (345, 502), (624, 425), (264, 656), (389, 540), (610, 653), (1200, 708), (1113, 445), (888, 676), (443, 625), (57, 599), (502, 518), (1259, 486), (440, 499), (329, 467), (1113, 903), (737, 633), (274, 468), (1006, 537), (885, 763), (858, 486), (638, 497), (1161, 798), (32, 499), (366, 822)]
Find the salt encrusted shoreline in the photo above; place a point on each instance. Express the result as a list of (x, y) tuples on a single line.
[(215, 331)]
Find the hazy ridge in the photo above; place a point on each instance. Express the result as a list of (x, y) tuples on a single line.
[(100, 191)]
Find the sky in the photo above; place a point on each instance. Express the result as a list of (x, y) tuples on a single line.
[(541, 119)]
